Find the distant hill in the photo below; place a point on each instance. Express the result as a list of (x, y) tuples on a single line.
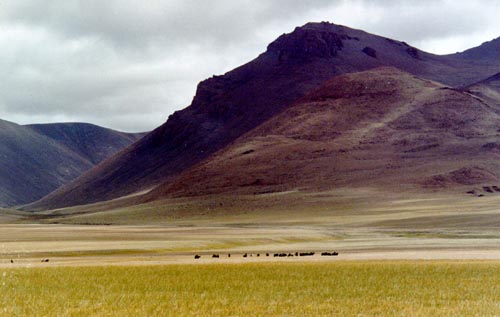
[(89, 141), (37, 159), (381, 128), (226, 107)]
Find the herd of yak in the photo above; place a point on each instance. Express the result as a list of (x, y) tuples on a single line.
[(280, 255)]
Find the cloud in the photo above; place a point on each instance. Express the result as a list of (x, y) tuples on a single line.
[(128, 64)]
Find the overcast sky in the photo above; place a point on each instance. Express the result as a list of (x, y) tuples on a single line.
[(128, 64)]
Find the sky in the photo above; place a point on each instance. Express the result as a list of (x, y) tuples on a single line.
[(129, 64)]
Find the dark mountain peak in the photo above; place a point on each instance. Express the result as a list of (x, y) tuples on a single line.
[(313, 40), (321, 26), (310, 42)]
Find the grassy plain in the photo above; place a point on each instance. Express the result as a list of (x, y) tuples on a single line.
[(399, 255), (399, 288), (346, 207), (361, 224)]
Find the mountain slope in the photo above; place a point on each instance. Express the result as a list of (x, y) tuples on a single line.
[(34, 164), (383, 129), (89, 141), (225, 107), (488, 51), (488, 89)]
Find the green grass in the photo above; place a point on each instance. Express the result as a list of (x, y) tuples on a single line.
[(297, 289)]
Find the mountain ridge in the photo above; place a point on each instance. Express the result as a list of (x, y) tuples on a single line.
[(87, 140), (226, 107), (34, 162)]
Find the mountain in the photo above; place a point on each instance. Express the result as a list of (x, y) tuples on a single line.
[(226, 107), (37, 159), (91, 142), (488, 89), (382, 128), (488, 51)]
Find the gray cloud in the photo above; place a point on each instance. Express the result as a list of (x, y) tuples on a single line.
[(128, 64)]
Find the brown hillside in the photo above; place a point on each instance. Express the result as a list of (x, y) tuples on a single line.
[(225, 107), (382, 128)]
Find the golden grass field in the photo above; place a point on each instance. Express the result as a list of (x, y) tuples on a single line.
[(382, 288), (428, 255)]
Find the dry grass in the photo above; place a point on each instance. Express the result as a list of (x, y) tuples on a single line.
[(354, 222), (12, 216), (343, 289), (358, 207), (362, 226)]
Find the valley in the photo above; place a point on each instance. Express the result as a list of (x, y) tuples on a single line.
[(337, 173), (331, 139), (360, 224)]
